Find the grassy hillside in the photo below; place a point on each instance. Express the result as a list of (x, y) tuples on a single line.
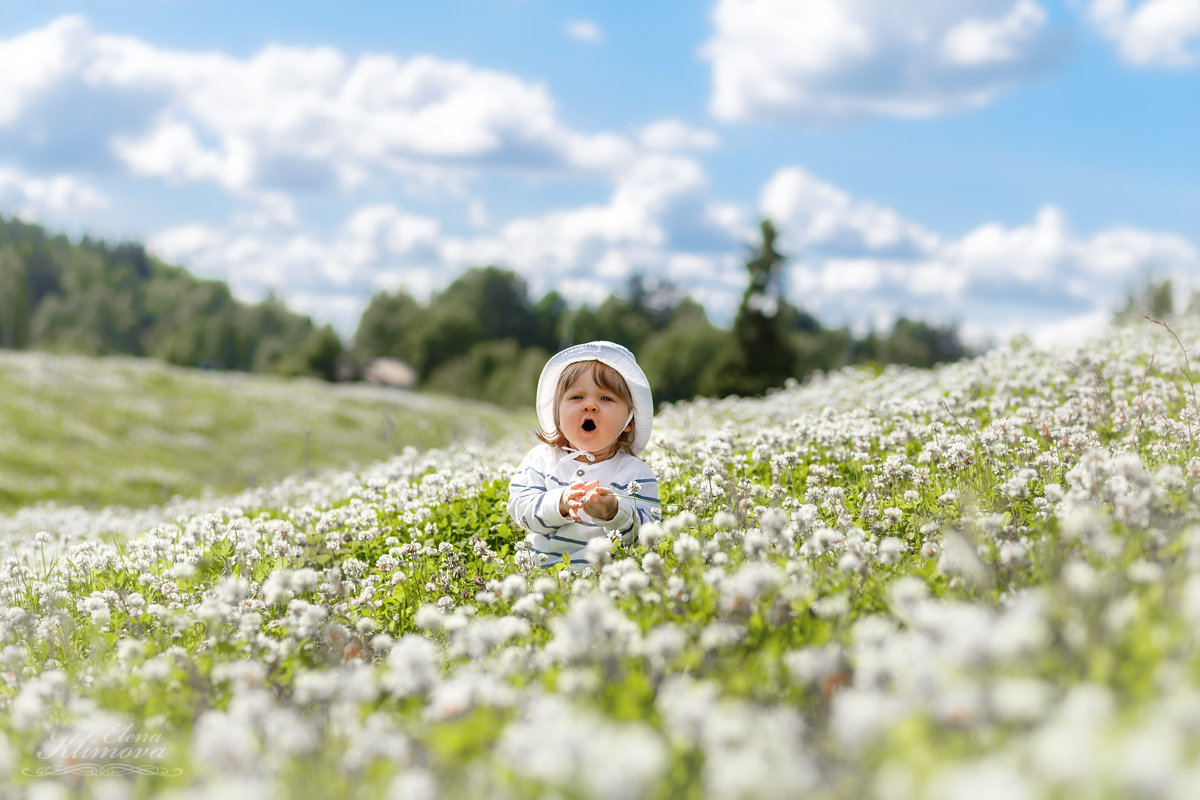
[(125, 431), (977, 581)]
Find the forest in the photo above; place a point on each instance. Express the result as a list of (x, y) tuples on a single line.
[(97, 299), (483, 336)]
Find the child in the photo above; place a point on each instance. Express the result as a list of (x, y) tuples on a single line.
[(585, 480)]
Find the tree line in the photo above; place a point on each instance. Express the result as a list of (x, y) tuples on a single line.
[(483, 336), (94, 298)]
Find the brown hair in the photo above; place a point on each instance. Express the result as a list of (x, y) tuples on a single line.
[(607, 379)]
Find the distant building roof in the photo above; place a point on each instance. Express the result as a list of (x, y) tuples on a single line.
[(390, 372)]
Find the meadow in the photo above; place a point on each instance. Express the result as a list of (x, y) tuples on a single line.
[(981, 580), (137, 432)]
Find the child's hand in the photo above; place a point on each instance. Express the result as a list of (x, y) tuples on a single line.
[(590, 498), (571, 500), (600, 503)]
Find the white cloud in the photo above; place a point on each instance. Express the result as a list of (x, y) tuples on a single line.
[(978, 42), (1029, 254), (376, 247), (935, 278), (841, 275), (1123, 251), (31, 197), (36, 60), (821, 59), (672, 134), (1048, 253), (172, 151), (852, 260), (584, 30), (292, 117), (273, 210), (1162, 33), (656, 223), (814, 215)]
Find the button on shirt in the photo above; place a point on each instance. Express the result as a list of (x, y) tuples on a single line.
[(538, 484)]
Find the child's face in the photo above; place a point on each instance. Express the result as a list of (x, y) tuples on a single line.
[(592, 417)]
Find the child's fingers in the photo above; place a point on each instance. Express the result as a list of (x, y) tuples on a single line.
[(597, 492)]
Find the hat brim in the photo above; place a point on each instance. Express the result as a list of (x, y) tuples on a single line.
[(615, 356)]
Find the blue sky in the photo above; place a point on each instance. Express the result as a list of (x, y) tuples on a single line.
[(1009, 165)]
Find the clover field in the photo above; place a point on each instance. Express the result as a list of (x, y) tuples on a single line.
[(981, 580)]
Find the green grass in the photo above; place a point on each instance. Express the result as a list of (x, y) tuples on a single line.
[(123, 431)]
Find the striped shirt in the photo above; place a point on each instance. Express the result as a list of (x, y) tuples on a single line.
[(538, 484)]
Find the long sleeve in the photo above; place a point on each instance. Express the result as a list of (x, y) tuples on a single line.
[(533, 494)]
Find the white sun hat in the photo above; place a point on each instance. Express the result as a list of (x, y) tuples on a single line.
[(615, 356)]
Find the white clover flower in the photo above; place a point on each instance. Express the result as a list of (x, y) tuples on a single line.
[(1143, 571), (414, 783), (861, 716), (959, 558), (1012, 552), (513, 587), (1080, 579), (413, 666), (12, 656), (304, 618), (756, 544), (277, 588), (984, 779), (598, 550), (662, 643), (725, 520), (815, 664), (529, 605), (890, 549), (686, 547), (130, 651), (832, 606), (225, 744), (304, 579), (555, 743), (633, 582)]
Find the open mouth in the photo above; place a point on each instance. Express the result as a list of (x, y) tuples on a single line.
[(589, 425)]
